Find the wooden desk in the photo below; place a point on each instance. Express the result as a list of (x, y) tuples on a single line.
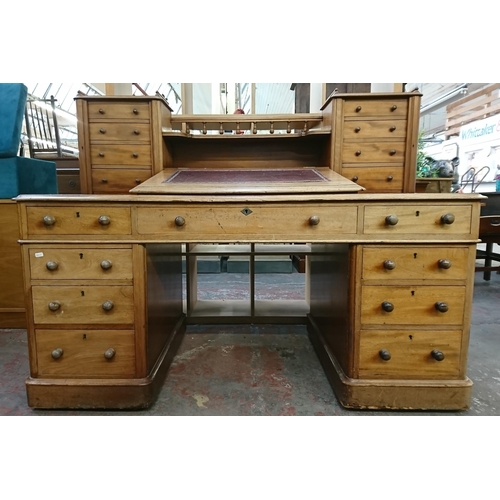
[(390, 290)]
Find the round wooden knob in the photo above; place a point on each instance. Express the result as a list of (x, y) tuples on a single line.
[(51, 265), (57, 353), (106, 264), (48, 220), (134, 154), (447, 219), (357, 129), (101, 154), (387, 306), (441, 306), (389, 178), (384, 354), (136, 132), (109, 353), (444, 263), (358, 109), (138, 181), (392, 152), (391, 220), (389, 264), (135, 111), (102, 130), (394, 107), (392, 129), (104, 181), (179, 221), (108, 305), (358, 153), (54, 306), (314, 220), (101, 111), (104, 220), (437, 355), (355, 178)]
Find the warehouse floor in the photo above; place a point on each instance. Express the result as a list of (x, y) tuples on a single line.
[(265, 369)]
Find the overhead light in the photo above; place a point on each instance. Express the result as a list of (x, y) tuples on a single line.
[(445, 99)]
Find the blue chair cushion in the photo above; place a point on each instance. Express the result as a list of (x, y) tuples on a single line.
[(13, 98), (20, 175)]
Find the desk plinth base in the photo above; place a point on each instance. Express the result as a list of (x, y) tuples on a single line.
[(106, 394), (389, 394)]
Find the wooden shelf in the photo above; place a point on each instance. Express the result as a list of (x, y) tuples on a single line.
[(246, 249)]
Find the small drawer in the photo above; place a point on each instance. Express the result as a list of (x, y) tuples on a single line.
[(409, 354), (375, 107), (80, 263), (118, 110), (248, 222), (85, 305), (117, 180), (120, 154), (78, 220), (374, 129), (130, 132), (412, 263), (85, 353), (376, 179), (382, 152), (68, 183), (438, 220), (412, 305)]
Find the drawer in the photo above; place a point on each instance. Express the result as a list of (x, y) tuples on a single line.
[(438, 220), (130, 132), (412, 305), (374, 129), (118, 110), (411, 263), (363, 152), (375, 107), (118, 180), (376, 179), (85, 305), (249, 222), (78, 220), (120, 154), (411, 354), (68, 184), (81, 353), (80, 263)]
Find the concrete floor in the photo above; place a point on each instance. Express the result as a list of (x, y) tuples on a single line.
[(265, 369)]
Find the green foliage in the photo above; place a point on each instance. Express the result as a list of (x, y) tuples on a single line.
[(425, 164)]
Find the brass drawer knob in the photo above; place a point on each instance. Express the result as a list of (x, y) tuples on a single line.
[(447, 219), (101, 154), (392, 152), (135, 111), (109, 353), (55, 305), (48, 220), (358, 153), (389, 264), (387, 306), (358, 109), (444, 264), (101, 111), (357, 129), (104, 220), (441, 306), (394, 107), (102, 130), (134, 154), (391, 220), (314, 220), (138, 181), (104, 181), (179, 221), (136, 132), (51, 265), (108, 305), (57, 353), (437, 355), (384, 354), (392, 129), (106, 264), (389, 178), (355, 178)]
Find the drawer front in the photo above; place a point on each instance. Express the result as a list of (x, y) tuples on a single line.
[(130, 132), (86, 305), (375, 107), (118, 180), (78, 220), (249, 222), (362, 152), (80, 263), (411, 354), (409, 263), (418, 219), (81, 353), (118, 110), (68, 184), (376, 179), (120, 154), (412, 305), (374, 129)]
